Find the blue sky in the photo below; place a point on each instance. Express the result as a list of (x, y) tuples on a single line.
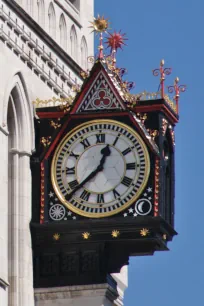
[(173, 30)]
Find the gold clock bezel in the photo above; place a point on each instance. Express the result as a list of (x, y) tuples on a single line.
[(66, 139)]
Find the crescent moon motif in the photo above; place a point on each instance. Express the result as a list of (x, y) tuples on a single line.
[(140, 207)]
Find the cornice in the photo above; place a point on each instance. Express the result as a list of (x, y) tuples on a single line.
[(44, 36), (69, 292)]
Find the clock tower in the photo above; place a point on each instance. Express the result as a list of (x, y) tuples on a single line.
[(102, 181)]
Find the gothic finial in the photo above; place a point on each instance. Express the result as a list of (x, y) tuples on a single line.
[(162, 71), (100, 25), (177, 89), (114, 42)]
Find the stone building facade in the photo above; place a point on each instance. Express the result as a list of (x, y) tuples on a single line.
[(44, 44)]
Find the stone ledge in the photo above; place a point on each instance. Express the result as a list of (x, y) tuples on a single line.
[(70, 292), (3, 284)]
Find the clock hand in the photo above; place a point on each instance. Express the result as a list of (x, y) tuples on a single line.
[(106, 152)]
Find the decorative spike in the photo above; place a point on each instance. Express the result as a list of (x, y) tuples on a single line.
[(115, 41), (100, 25)]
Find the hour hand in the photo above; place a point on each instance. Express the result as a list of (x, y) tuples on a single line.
[(106, 151)]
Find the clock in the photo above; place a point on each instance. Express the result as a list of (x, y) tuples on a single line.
[(100, 168)]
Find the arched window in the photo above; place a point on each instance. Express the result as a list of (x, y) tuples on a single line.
[(84, 53), (63, 32), (41, 12), (73, 41), (20, 141), (52, 21), (29, 7)]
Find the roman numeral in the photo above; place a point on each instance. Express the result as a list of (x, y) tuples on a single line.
[(100, 138), (130, 166), (85, 143), (100, 198), (85, 195), (116, 194), (69, 170), (116, 140), (73, 184), (72, 154), (126, 181), (126, 151)]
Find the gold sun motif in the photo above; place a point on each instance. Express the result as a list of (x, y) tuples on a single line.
[(164, 236), (100, 24), (144, 232), (56, 236), (86, 235), (115, 233)]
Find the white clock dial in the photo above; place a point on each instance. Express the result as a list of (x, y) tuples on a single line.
[(100, 168)]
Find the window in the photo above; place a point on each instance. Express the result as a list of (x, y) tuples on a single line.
[(41, 12), (52, 21), (75, 3), (30, 7), (73, 41), (84, 53), (63, 32)]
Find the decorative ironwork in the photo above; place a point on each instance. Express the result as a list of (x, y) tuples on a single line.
[(114, 42), (76, 88), (115, 233), (156, 188), (100, 25), (46, 141), (84, 74), (144, 232), (170, 103), (176, 89), (54, 124), (164, 126), (163, 72), (53, 101), (142, 117), (153, 133), (172, 135)]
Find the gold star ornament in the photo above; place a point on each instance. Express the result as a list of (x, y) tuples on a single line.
[(115, 233), (56, 236), (100, 24), (86, 235), (144, 232)]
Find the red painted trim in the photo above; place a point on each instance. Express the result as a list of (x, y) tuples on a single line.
[(156, 187), (100, 115), (159, 107), (50, 114), (42, 193), (90, 83)]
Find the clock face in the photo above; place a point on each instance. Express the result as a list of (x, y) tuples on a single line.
[(100, 168)]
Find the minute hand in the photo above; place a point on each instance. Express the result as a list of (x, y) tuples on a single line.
[(106, 152)]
